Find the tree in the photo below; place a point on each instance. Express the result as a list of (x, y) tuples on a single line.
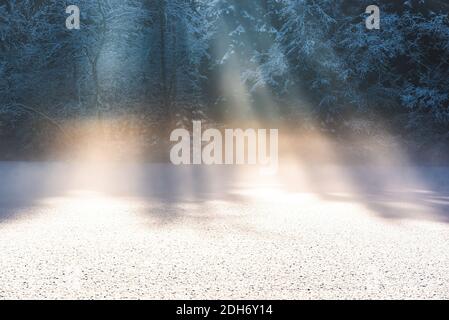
[(109, 30), (180, 45)]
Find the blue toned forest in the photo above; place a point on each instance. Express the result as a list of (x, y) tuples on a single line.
[(142, 66)]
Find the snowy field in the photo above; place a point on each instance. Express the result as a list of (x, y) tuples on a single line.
[(159, 232)]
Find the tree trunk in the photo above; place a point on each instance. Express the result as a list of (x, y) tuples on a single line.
[(163, 46)]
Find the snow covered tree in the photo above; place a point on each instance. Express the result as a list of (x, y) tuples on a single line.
[(246, 62), (179, 47), (109, 35)]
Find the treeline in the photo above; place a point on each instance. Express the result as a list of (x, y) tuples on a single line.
[(308, 64)]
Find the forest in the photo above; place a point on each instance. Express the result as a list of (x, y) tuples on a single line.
[(143, 67)]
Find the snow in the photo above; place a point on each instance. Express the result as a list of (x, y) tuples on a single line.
[(155, 231)]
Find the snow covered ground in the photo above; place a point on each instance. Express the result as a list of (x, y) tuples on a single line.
[(161, 232)]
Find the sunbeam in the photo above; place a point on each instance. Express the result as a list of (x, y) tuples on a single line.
[(224, 149)]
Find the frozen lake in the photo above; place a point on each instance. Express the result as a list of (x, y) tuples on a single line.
[(160, 232)]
